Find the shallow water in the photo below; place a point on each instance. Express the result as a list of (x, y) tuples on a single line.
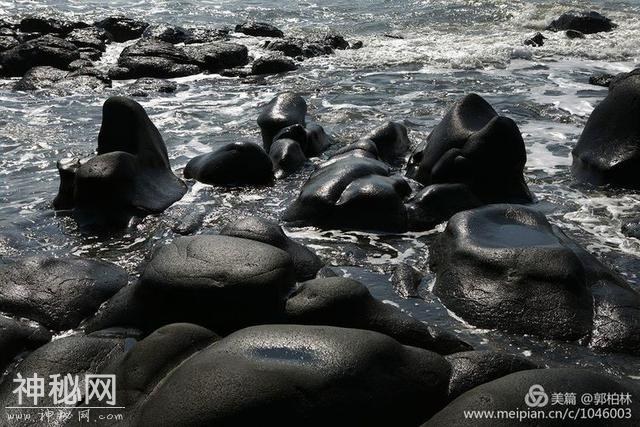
[(450, 48)]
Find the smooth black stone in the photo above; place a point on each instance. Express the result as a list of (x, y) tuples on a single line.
[(470, 369), (391, 141), (131, 174), (608, 151), (343, 302), (508, 394), (475, 146), (218, 56), (17, 337), (284, 110), (313, 139), (287, 157), (45, 50), (240, 163), (272, 64), (258, 29), (436, 203), (317, 376), (220, 282), (122, 28), (61, 291), (505, 267), (305, 261), (585, 22), (352, 193)]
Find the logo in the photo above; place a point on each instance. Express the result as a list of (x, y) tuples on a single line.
[(536, 397)]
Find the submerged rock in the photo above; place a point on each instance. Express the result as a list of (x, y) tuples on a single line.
[(573, 34), (57, 292), (146, 85), (474, 146), (608, 151), (271, 370), (346, 303), (585, 22), (305, 261), (130, 176), (509, 393), (240, 163), (46, 50), (17, 337), (258, 29), (536, 40), (601, 79), (122, 28)]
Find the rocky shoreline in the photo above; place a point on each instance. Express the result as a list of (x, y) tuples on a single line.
[(248, 325)]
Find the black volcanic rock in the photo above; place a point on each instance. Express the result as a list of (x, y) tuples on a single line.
[(131, 174), (223, 283), (151, 57), (473, 145), (146, 85), (470, 369), (240, 163), (284, 110), (167, 33), (287, 157), (316, 375), (585, 22), (272, 64), (48, 25), (122, 28), (305, 261), (536, 40), (353, 193), (338, 301), (312, 138), (258, 29), (608, 151), (18, 336), (391, 141), (46, 50), (57, 292), (218, 56)]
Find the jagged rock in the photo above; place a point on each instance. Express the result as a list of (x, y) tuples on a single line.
[(45, 50), (90, 37), (154, 58), (536, 40), (145, 85), (218, 56), (272, 64), (122, 28)]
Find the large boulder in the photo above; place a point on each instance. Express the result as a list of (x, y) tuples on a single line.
[(57, 292), (131, 174), (512, 392), (19, 336), (284, 110), (240, 163), (305, 261), (220, 282), (291, 375), (74, 356), (469, 369), (473, 145), (352, 193), (608, 151), (122, 28), (45, 50), (218, 56), (587, 22), (258, 29), (338, 301), (48, 25), (150, 57), (506, 267)]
